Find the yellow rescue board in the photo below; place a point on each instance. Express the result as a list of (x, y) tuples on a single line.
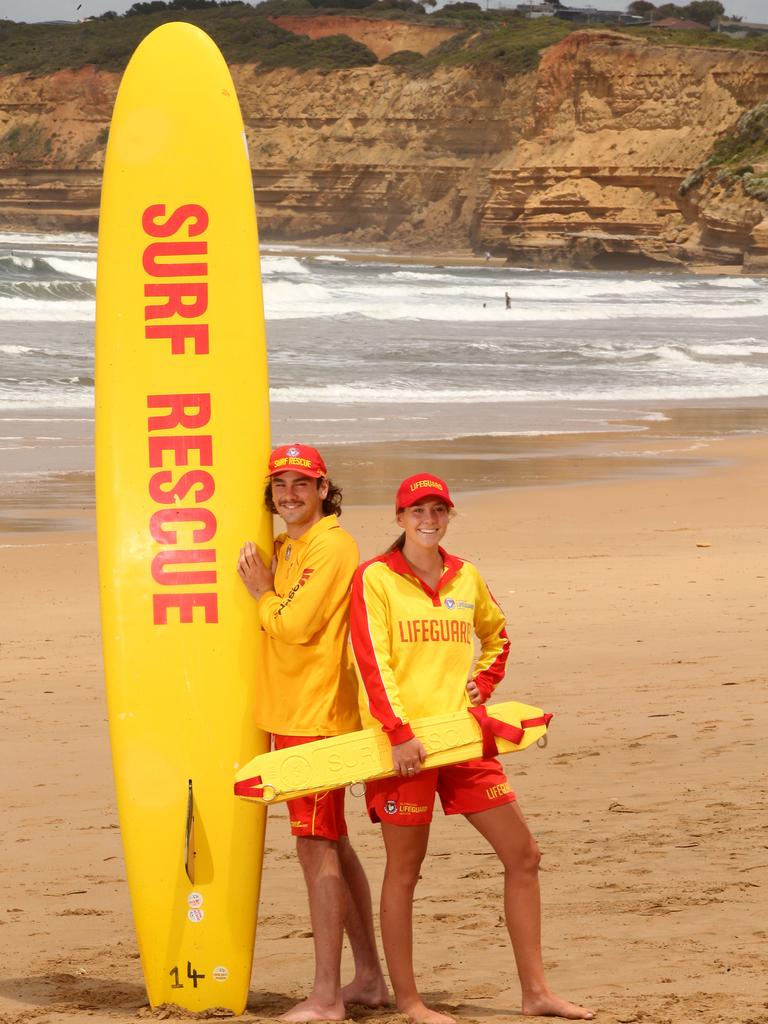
[(365, 755), (182, 442)]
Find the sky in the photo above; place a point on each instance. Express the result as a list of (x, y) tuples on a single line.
[(71, 10)]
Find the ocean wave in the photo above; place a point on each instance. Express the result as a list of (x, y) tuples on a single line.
[(75, 267), (17, 350), (38, 238), (737, 347), (35, 310), (283, 265), (350, 394)]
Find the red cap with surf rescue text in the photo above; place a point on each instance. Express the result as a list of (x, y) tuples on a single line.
[(297, 458), (422, 485)]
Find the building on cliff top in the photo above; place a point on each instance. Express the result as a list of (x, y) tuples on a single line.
[(532, 10), (680, 25), (742, 29), (593, 16)]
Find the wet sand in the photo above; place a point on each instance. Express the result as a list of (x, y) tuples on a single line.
[(51, 485), (637, 614)]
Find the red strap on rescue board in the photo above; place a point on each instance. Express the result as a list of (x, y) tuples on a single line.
[(491, 727), (250, 787)]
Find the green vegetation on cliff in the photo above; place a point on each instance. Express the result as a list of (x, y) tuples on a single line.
[(107, 42), (734, 155), (500, 40), (512, 46)]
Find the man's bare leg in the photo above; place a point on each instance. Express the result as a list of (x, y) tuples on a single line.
[(406, 846), (368, 986), (506, 830), (327, 893)]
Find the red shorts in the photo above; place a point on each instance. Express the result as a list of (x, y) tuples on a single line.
[(319, 815), (464, 789)]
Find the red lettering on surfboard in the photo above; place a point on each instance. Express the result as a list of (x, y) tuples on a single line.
[(174, 566), (184, 411), (175, 221), (186, 604), (159, 524), (179, 335), (160, 493), (182, 299)]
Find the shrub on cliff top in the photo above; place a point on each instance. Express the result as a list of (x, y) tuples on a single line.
[(242, 35), (326, 54), (734, 154), (512, 47)]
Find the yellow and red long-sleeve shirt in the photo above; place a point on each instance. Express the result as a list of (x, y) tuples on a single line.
[(414, 646), (307, 681)]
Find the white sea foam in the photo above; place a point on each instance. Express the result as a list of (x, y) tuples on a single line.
[(36, 310), (36, 238), (76, 267), (336, 395), (283, 265), (16, 350)]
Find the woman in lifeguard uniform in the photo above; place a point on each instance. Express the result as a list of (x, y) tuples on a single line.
[(415, 613)]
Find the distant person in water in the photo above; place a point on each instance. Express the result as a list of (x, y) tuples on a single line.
[(507, 300)]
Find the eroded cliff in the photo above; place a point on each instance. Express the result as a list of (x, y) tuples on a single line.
[(579, 163)]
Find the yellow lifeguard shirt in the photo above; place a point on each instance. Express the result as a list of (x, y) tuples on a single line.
[(307, 684), (414, 646)]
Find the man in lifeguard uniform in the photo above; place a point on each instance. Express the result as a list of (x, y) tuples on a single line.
[(307, 691)]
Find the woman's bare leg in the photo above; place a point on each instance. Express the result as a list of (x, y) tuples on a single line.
[(406, 846), (506, 830)]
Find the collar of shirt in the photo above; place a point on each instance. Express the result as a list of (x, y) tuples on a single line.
[(326, 523), (451, 565)]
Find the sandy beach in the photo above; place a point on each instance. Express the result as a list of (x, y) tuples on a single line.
[(637, 613)]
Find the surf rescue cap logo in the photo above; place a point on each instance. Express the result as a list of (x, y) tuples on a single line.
[(299, 458)]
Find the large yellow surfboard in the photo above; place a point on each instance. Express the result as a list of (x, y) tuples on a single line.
[(182, 442)]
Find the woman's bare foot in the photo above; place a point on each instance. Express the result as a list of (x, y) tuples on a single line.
[(546, 1004), (313, 1009), (421, 1014), (370, 992)]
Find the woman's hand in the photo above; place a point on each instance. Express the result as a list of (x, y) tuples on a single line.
[(408, 757), (475, 697), (258, 579)]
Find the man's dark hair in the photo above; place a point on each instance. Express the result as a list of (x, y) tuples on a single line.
[(331, 502)]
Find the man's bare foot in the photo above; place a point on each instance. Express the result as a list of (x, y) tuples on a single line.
[(421, 1014), (549, 1005), (370, 992), (313, 1009)]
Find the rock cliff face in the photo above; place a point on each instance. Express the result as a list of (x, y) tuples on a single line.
[(577, 164), (383, 37)]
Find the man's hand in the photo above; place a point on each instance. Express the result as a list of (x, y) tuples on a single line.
[(258, 579), (475, 697), (408, 757)]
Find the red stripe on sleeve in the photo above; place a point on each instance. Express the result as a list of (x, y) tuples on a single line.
[(370, 644)]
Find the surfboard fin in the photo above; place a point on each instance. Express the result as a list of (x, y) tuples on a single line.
[(189, 836)]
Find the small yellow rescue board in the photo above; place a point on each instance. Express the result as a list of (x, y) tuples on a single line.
[(366, 754)]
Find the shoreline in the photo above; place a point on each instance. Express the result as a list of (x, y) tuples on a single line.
[(658, 442), (636, 613), (429, 256)]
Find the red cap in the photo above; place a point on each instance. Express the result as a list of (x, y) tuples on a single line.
[(422, 485), (297, 458)]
